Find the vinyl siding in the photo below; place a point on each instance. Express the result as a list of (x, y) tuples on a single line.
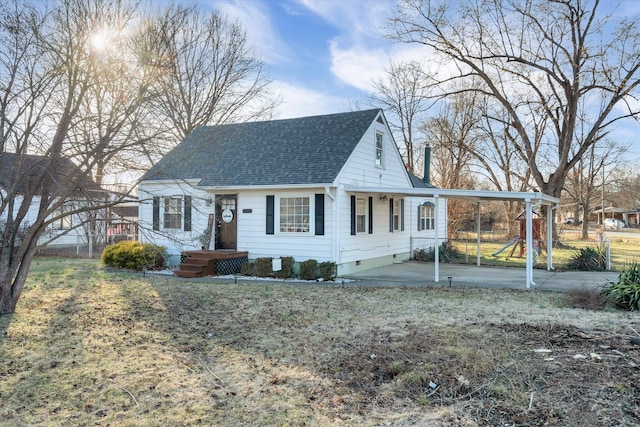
[(361, 170), (251, 220), (252, 236), (175, 240)]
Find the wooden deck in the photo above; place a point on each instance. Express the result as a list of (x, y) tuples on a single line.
[(209, 263)]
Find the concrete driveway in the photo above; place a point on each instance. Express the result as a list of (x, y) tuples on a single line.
[(415, 273)]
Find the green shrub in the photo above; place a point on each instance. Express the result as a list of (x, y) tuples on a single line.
[(625, 293), (308, 269), (327, 270), (134, 255), (264, 267), (247, 269), (590, 258), (286, 271), (447, 253)]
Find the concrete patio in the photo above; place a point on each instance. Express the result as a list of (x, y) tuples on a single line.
[(415, 273)]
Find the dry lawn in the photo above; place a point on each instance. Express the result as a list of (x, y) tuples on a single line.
[(93, 347)]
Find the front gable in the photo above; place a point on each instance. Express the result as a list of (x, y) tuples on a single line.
[(376, 160)]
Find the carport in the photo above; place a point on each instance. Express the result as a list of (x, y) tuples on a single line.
[(532, 200)]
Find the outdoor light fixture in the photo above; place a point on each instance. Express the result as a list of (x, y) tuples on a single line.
[(383, 198), (450, 279)]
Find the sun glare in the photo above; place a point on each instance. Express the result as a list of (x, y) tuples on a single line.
[(100, 40)]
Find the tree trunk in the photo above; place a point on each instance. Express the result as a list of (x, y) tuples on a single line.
[(14, 269), (7, 302), (585, 225)]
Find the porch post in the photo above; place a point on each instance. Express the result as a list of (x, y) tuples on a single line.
[(478, 236), (529, 244), (550, 210), (436, 217)]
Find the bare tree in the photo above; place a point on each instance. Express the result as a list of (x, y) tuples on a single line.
[(453, 135), (624, 184), (405, 93), (52, 69), (583, 187), (77, 102), (539, 60), (496, 158), (205, 72)]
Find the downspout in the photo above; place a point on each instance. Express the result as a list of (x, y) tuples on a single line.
[(336, 245)]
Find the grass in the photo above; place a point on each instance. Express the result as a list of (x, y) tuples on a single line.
[(90, 346), (623, 252)]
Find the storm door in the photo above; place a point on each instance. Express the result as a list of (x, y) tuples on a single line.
[(226, 222)]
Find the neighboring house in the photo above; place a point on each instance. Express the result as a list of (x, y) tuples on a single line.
[(18, 172), (123, 221), (279, 188)]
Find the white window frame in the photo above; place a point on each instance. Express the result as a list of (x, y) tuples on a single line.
[(172, 218), (396, 214), (379, 149), (64, 222), (361, 215), (427, 217), (298, 215)]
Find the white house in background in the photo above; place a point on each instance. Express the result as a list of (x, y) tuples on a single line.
[(281, 188), (66, 228)]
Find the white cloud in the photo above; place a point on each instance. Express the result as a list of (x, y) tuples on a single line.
[(255, 19), (359, 53), (358, 66), (298, 101), (356, 19)]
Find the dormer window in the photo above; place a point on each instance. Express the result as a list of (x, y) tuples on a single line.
[(379, 150)]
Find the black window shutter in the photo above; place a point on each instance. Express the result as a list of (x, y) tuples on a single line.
[(353, 215), (319, 214), (370, 215), (270, 217), (156, 213), (391, 215), (187, 213), (401, 214), (419, 229)]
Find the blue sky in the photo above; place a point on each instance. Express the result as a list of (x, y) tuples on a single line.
[(323, 55)]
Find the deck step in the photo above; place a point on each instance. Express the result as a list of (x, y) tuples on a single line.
[(187, 274), (191, 267)]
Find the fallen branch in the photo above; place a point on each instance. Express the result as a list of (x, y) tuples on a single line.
[(210, 371), (130, 394), (183, 364), (531, 401)]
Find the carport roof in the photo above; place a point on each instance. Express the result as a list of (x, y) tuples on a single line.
[(470, 195), (530, 198)]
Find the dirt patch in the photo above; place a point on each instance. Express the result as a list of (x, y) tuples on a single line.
[(499, 374)]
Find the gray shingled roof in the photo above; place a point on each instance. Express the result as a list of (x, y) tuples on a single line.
[(418, 182), (16, 170), (307, 150)]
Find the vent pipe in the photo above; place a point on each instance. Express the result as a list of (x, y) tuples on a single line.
[(426, 178)]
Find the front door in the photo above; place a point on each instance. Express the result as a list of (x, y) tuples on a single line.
[(226, 222)]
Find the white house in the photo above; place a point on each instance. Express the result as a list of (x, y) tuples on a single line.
[(282, 188), (65, 227)]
